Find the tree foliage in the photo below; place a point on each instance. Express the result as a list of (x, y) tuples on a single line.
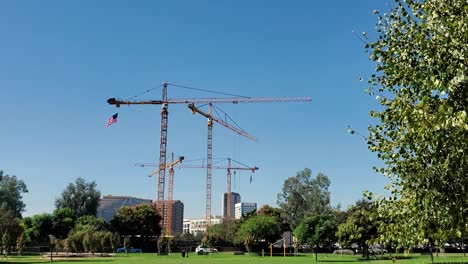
[(303, 196), (316, 230), (142, 219), (360, 227), (11, 194), (81, 197), (10, 227), (258, 228), (421, 83)]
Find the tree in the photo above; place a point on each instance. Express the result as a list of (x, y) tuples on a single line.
[(225, 231), (316, 230), (39, 227), (10, 227), (142, 219), (277, 213), (81, 197), (360, 227), (421, 84), (258, 228), (303, 195), (20, 243), (63, 220), (11, 194)]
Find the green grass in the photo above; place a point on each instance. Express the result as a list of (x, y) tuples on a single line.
[(229, 258)]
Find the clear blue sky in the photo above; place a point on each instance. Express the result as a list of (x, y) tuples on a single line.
[(61, 60)]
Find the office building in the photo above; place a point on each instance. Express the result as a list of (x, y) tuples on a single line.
[(235, 198), (244, 208), (109, 205)]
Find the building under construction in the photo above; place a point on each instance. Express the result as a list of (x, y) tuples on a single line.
[(176, 217)]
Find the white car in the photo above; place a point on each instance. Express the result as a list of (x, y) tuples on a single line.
[(205, 249)]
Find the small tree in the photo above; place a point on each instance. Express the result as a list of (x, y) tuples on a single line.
[(316, 230), (127, 244), (52, 243), (115, 241), (20, 244)]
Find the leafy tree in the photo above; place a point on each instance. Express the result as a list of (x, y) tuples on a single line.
[(142, 219), (225, 231), (81, 197), (360, 227), (303, 195), (258, 228), (39, 227), (10, 227), (20, 243), (11, 194), (421, 83), (115, 241), (63, 221), (127, 244), (210, 238), (278, 213), (316, 230)]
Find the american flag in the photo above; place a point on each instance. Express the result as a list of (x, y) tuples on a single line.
[(112, 119)]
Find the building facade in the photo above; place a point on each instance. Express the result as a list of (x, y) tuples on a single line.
[(235, 198), (244, 208), (177, 216), (197, 226), (109, 205)]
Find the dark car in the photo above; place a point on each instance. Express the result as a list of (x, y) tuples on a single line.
[(130, 250)]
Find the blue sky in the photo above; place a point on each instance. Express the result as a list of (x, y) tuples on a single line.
[(61, 60)]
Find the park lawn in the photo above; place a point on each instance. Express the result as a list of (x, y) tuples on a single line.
[(229, 258)]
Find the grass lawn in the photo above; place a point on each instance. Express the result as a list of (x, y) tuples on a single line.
[(229, 258)]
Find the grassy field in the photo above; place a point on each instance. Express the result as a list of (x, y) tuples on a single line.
[(229, 258)]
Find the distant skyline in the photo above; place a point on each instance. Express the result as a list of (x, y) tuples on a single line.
[(61, 61)]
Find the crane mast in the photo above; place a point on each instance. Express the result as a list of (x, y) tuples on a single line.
[(209, 158)]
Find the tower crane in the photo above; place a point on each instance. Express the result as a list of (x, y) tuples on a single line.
[(209, 157), (229, 168), (165, 101), (168, 219)]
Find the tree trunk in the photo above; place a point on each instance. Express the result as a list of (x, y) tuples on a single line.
[(316, 252)]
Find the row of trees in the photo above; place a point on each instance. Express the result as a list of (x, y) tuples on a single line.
[(72, 226)]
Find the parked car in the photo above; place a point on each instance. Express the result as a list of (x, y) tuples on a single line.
[(205, 249), (130, 250)]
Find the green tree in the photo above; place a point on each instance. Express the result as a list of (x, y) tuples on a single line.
[(10, 227), (360, 227), (303, 196), (421, 84), (115, 241), (143, 220), (11, 194), (258, 228), (278, 213), (39, 227), (20, 243), (127, 244), (81, 197), (225, 231), (316, 230), (63, 220)]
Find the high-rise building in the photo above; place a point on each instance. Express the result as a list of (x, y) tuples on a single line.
[(244, 208), (235, 198), (177, 216), (109, 205)]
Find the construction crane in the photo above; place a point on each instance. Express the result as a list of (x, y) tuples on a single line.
[(229, 168), (209, 157), (164, 102), (168, 219)]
